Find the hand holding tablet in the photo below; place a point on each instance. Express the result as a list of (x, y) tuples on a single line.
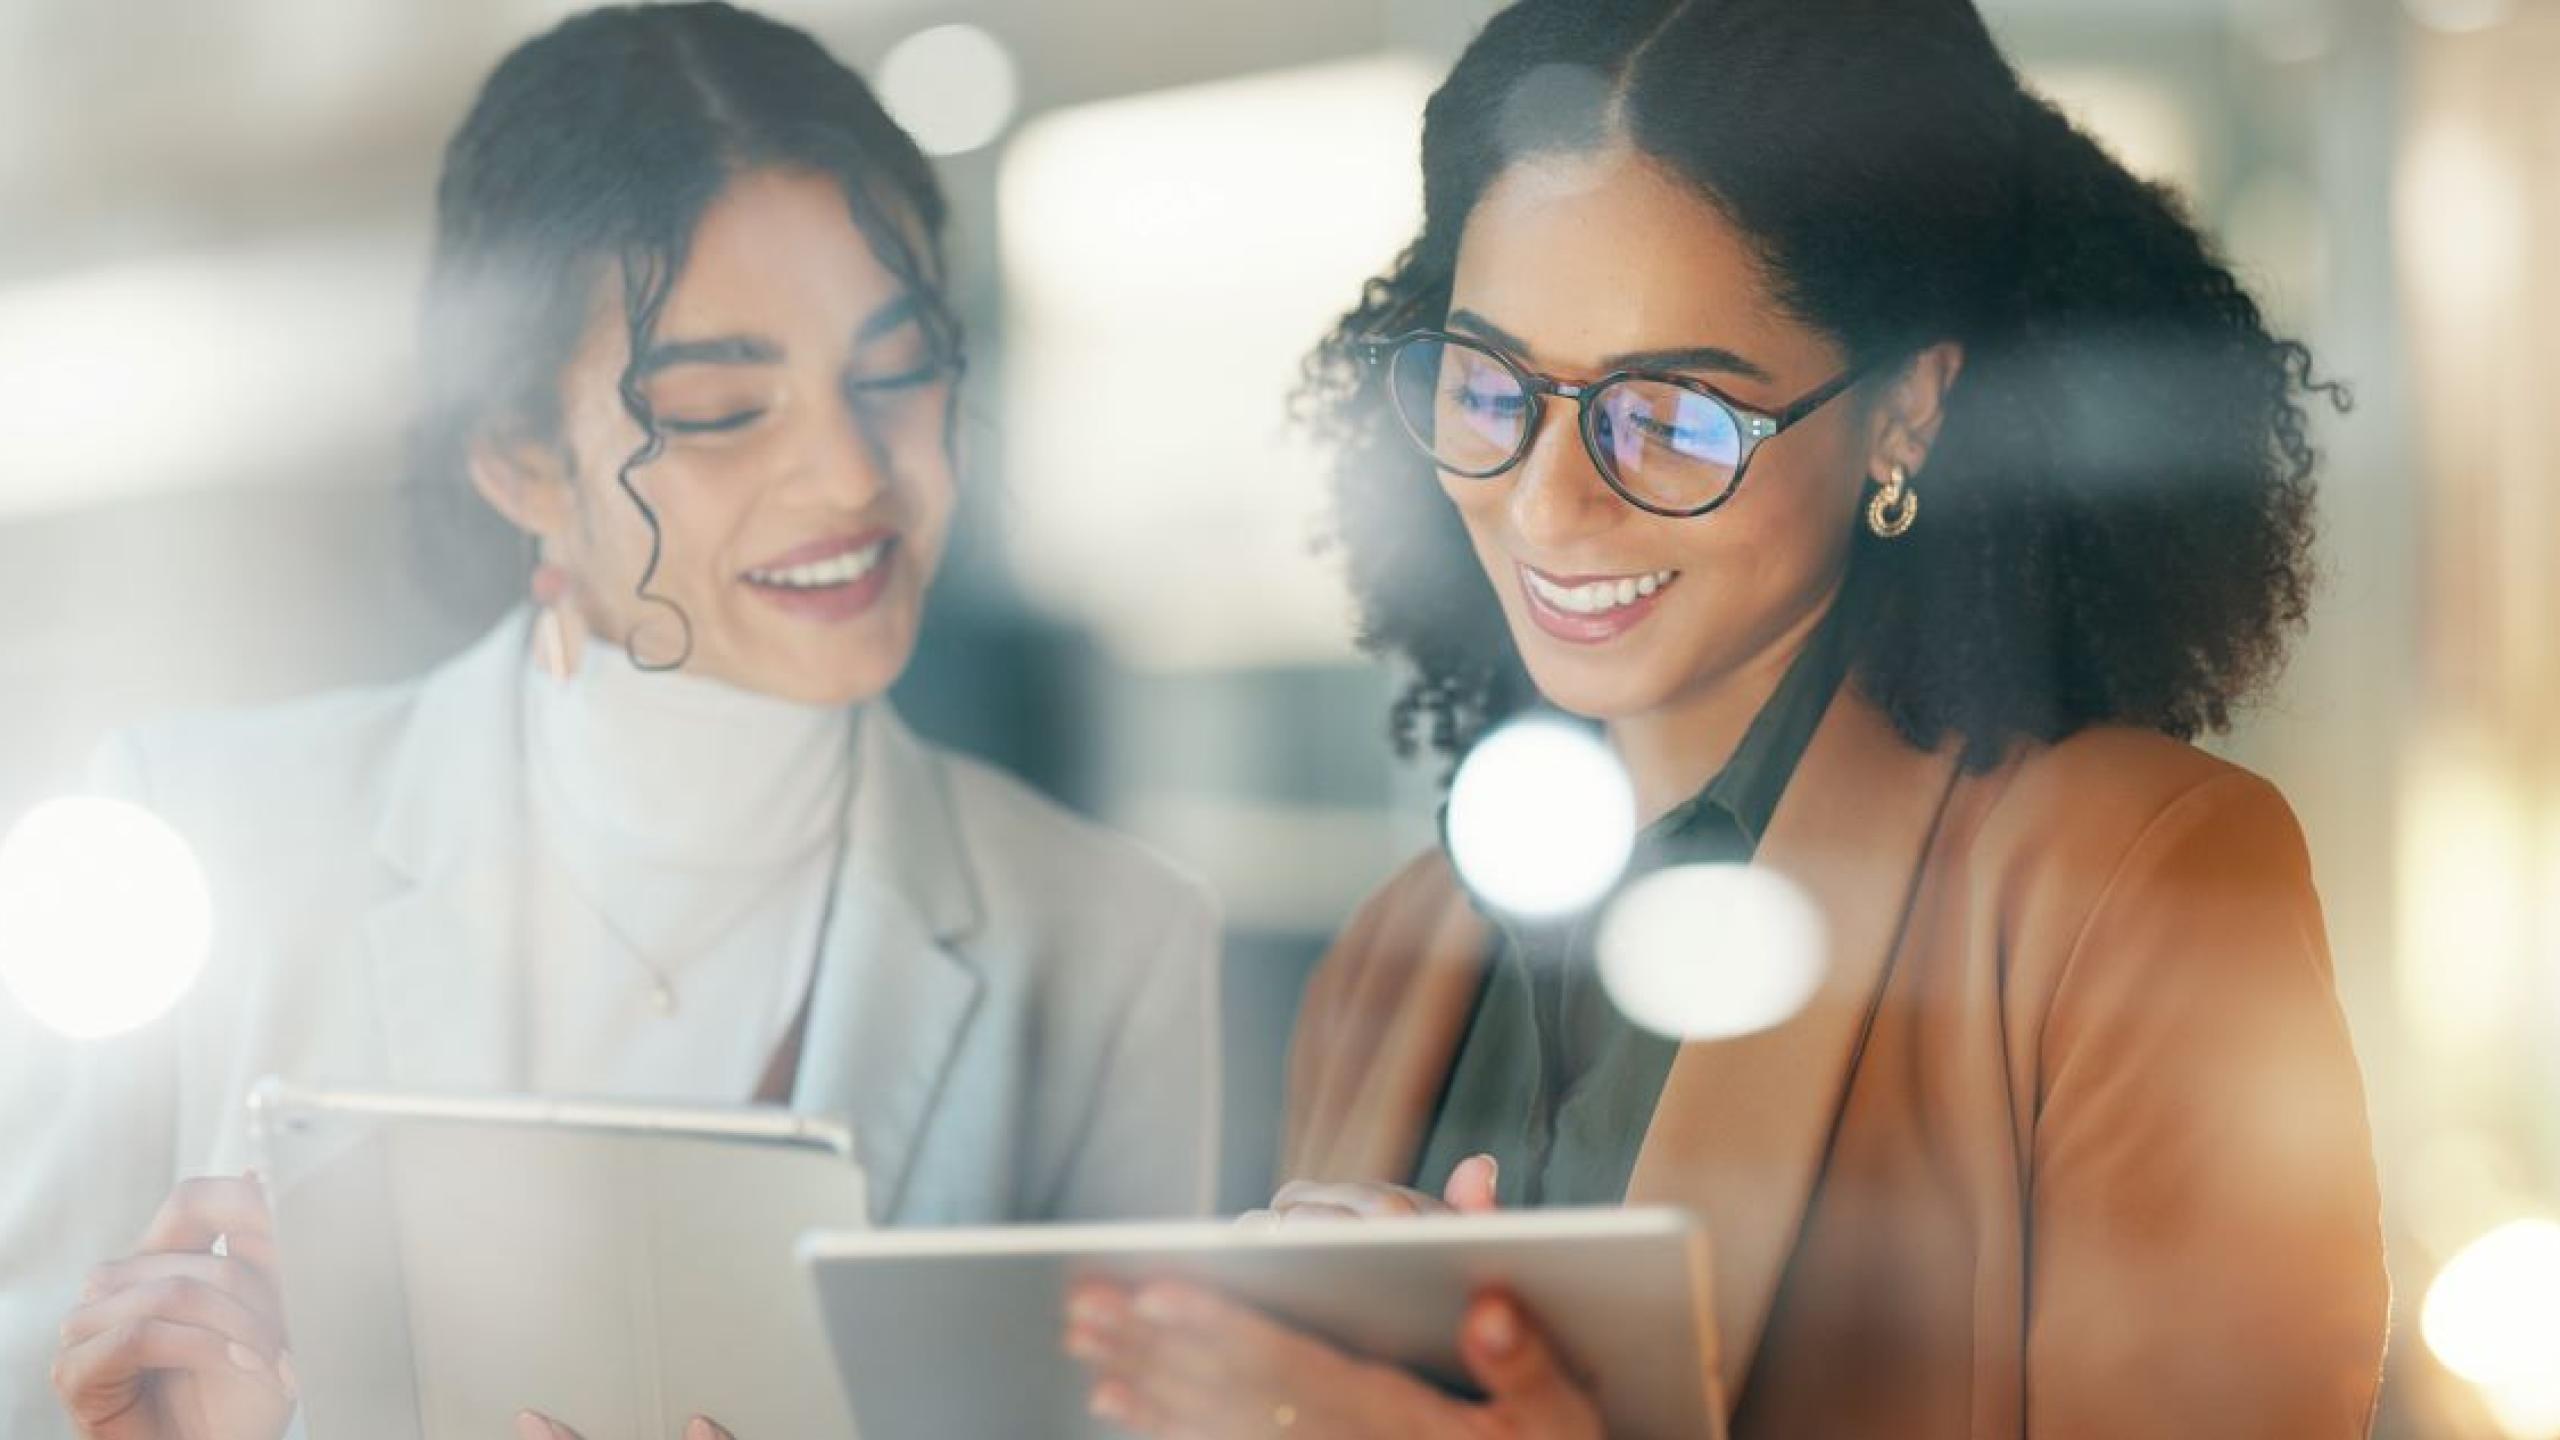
[(1326, 1329)]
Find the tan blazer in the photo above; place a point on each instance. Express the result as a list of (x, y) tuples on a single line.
[(2072, 1142)]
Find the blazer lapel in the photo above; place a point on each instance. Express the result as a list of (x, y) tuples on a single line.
[(1743, 1128), (892, 997), (443, 942)]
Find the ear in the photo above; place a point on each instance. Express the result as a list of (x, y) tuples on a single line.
[(527, 480), (1911, 411)]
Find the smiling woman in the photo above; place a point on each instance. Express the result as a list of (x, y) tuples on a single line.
[(2060, 1134), (659, 835)]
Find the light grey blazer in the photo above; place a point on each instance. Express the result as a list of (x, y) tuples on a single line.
[(1016, 1010)]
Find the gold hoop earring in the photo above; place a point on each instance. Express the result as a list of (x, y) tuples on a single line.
[(1895, 507)]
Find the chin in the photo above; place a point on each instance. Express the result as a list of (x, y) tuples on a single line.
[(1614, 682)]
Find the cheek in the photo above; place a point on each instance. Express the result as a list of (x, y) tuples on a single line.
[(1479, 506)]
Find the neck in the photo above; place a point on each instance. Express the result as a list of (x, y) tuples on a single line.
[(680, 769), (1673, 750)]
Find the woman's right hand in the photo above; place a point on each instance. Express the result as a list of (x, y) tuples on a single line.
[(179, 1341), (1470, 1191)]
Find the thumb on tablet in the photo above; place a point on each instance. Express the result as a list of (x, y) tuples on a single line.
[(1523, 1376), (1471, 1184)]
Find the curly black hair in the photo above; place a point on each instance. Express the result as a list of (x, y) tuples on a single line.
[(2120, 506), (596, 147)]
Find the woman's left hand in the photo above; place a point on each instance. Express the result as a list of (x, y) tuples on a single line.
[(1174, 1360)]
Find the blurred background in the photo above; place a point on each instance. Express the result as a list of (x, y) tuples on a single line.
[(212, 228)]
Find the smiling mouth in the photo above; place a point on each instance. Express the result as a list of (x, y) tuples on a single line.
[(848, 566), (1595, 596)]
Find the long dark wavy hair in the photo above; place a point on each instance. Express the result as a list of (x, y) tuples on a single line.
[(593, 150), (2119, 507)]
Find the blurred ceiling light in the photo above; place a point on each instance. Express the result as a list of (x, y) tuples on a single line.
[(162, 374), (105, 920), (953, 87), (1541, 818), (2140, 121), (2459, 17), (2465, 909), (1170, 258), (2459, 214), (2492, 1314), (1709, 952)]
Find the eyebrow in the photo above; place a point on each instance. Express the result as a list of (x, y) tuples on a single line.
[(1710, 358), (757, 350), (721, 350)]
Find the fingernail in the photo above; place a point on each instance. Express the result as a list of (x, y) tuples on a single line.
[(1083, 1344), (1093, 1308), (284, 1373), (1496, 1330), (244, 1358), (530, 1426), (698, 1428), (1108, 1404), (1492, 1173)]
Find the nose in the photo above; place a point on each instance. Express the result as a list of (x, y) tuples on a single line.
[(1557, 495), (843, 460)]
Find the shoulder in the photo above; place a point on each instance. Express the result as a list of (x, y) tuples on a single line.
[(2115, 825), (2093, 798), (1044, 869), (265, 765)]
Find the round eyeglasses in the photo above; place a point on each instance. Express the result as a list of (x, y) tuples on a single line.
[(1667, 444)]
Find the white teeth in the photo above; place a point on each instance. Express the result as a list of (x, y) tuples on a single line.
[(1598, 596), (842, 570)]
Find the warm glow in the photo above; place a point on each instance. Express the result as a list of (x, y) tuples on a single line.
[(1541, 818), (2493, 1314), (2465, 905), (1170, 258), (105, 920), (1707, 952)]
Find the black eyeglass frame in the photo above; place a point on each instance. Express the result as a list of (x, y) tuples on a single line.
[(1756, 427)]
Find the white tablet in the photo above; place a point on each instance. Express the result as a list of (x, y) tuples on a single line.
[(942, 1333), (449, 1262)]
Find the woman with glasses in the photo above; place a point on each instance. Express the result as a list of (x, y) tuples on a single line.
[(659, 835), (1900, 485)]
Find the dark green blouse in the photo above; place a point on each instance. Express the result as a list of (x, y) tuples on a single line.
[(1550, 1079)]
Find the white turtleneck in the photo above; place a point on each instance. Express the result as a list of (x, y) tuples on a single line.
[(699, 825)]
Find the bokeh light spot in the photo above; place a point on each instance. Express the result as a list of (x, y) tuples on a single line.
[(105, 918), (953, 87), (2493, 1313), (1541, 818), (1709, 952)]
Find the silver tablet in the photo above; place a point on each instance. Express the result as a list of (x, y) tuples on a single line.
[(448, 1262), (942, 1333)]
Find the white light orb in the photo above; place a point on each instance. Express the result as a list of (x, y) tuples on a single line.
[(1541, 818), (1709, 952), (953, 87), (105, 918), (2493, 1313)]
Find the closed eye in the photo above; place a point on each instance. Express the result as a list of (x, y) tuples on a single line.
[(713, 426), (925, 374)]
